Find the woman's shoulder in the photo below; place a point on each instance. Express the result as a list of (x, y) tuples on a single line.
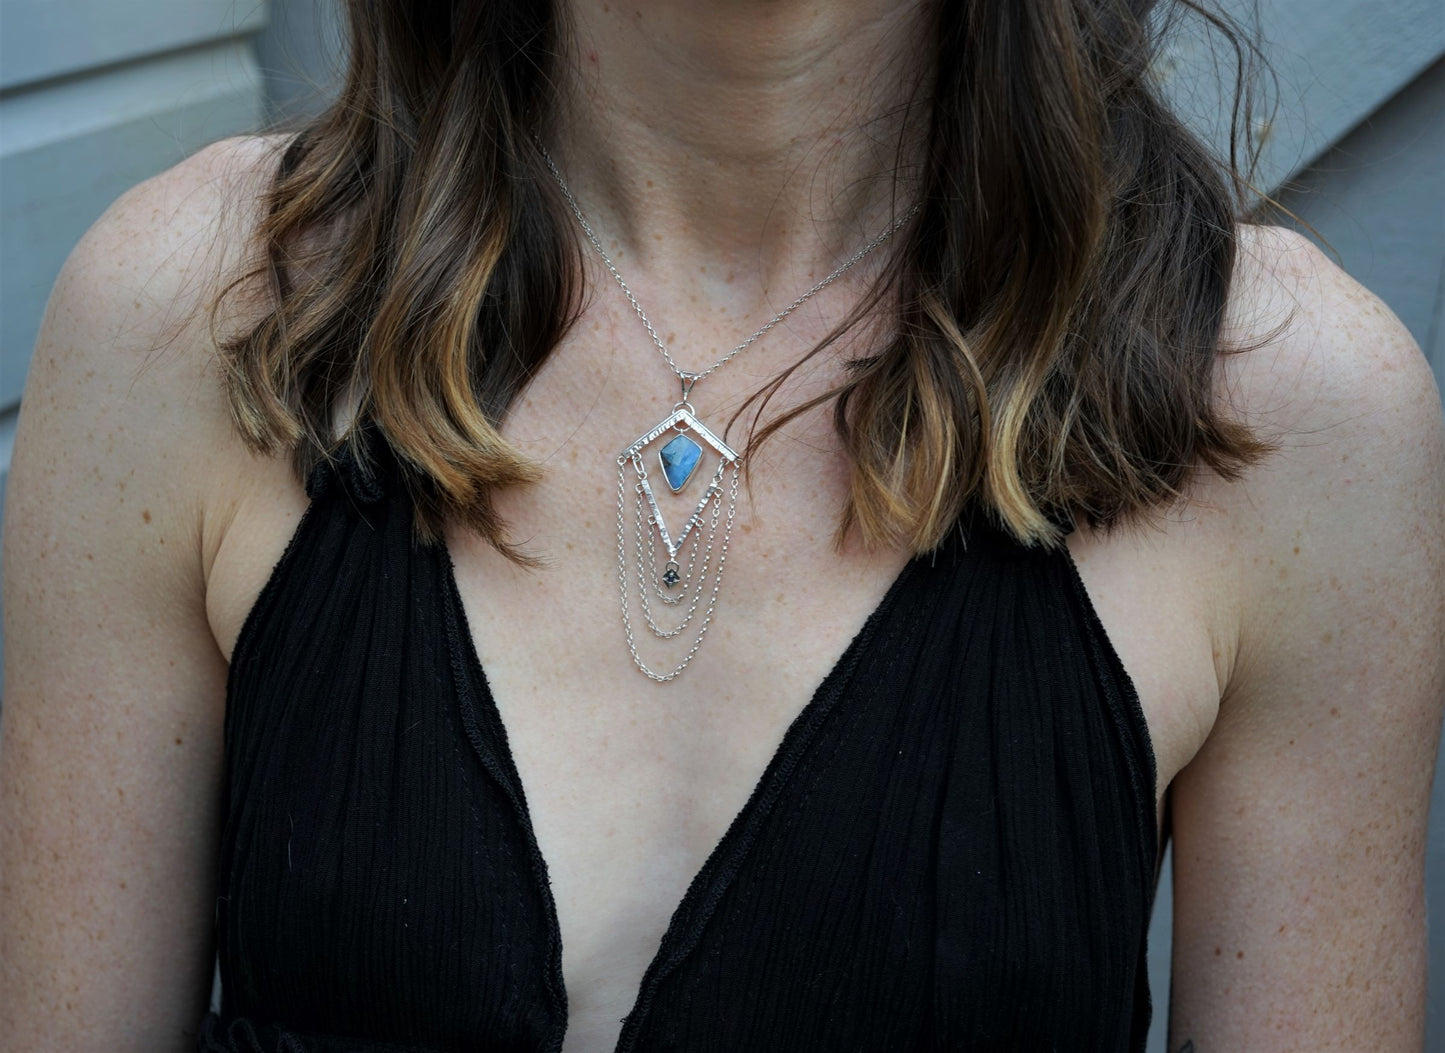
[(138, 288), (1299, 824), (1312, 348), (1326, 373), (130, 334), (1345, 506), (1345, 511), (148, 270), (124, 429)]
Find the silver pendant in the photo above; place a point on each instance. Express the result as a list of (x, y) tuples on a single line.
[(692, 559)]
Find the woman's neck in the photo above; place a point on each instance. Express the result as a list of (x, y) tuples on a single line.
[(759, 136)]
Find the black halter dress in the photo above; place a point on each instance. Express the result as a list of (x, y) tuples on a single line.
[(953, 847)]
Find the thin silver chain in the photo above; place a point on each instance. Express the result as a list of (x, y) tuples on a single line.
[(691, 377)]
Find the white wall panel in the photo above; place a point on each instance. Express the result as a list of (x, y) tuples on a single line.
[(1337, 61), (42, 39)]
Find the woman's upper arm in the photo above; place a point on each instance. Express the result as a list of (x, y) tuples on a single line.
[(1299, 828), (110, 751)]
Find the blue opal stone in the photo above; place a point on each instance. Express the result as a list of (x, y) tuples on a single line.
[(679, 460)]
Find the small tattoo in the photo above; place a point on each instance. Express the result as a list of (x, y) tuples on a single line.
[(1188, 1046)]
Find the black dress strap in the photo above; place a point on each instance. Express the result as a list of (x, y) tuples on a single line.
[(362, 462)]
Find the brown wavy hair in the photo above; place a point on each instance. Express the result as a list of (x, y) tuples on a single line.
[(1059, 294)]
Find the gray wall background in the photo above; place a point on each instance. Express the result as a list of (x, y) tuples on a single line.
[(96, 96)]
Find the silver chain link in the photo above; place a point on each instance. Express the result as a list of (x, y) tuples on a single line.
[(684, 586), (716, 574), (689, 377)]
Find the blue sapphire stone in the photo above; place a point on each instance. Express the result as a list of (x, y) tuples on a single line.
[(679, 460)]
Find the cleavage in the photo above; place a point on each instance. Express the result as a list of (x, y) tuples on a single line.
[(630, 785)]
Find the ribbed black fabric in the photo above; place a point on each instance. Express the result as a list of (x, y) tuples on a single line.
[(952, 849)]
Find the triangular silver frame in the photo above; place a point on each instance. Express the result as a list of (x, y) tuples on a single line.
[(681, 415)]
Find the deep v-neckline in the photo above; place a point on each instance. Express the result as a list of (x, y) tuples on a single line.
[(722, 863)]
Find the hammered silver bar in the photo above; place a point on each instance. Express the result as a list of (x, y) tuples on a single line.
[(673, 548), (657, 519), (678, 416)]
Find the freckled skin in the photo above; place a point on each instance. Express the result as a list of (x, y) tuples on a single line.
[(1330, 716), (109, 752)]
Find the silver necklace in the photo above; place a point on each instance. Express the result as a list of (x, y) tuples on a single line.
[(693, 567)]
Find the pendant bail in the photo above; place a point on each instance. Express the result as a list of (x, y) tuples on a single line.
[(688, 380)]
